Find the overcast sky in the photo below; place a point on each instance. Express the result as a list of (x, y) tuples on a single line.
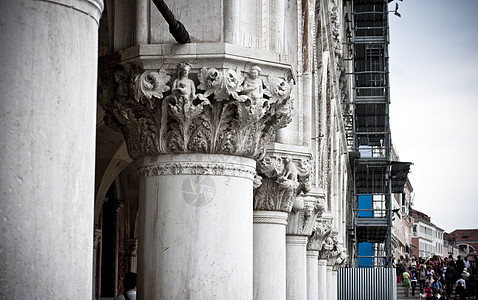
[(434, 105)]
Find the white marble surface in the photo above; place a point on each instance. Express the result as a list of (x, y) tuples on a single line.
[(329, 283), (47, 145), (312, 275), (296, 264), (195, 239), (269, 255), (322, 287)]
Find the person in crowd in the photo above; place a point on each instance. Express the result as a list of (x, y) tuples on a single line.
[(436, 284), (450, 277), (406, 283), (422, 295), (466, 263), (413, 280), (422, 276), (460, 287), (129, 285), (428, 291), (460, 265)]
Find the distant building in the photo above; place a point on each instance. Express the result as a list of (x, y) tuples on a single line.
[(467, 242), (450, 245), (402, 222), (427, 238)]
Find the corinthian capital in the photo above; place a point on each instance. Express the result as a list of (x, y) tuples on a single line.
[(279, 181), (320, 232), (159, 115), (304, 213)]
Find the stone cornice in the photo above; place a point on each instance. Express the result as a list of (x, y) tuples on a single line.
[(231, 114)]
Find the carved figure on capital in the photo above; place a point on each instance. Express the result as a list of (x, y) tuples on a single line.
[(253, 87), (222, 118), (302, 218)]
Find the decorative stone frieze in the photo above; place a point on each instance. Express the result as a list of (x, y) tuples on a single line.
[(231, 115), (321, 231), (278, 183), (196, 168), (304, 213)]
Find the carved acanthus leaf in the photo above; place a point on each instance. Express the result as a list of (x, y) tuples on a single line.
[(150, 85)]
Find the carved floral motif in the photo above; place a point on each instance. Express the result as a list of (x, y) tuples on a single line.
[(221, 118)]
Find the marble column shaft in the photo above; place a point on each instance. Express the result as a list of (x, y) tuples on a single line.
[(322, 285), (312, 274), (47, 144), (296, 263), (195, 204), (329, 282), (269, 255)]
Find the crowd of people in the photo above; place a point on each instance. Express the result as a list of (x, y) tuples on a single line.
[(438, 278)]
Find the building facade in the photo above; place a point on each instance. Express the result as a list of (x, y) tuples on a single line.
[(427, 238), (214, 169)]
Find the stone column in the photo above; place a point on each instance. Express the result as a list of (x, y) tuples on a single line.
[(317, 273), (332, 252), (132, 253), (329, 280), (47, 144), (322, 286), (276, 186), (296, 265), (312, 274), (333, 285), (301, 221), (199, 243), (197, 164), (269, 255)]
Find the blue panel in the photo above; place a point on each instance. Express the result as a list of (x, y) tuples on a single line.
[(365, 202), (365, 249)]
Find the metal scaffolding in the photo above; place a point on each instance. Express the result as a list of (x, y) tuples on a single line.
[(375, 175)]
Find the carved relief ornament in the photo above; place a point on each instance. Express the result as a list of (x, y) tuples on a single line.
[(321, 231), (279, 181), (302, 218), (156, 116)]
